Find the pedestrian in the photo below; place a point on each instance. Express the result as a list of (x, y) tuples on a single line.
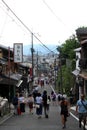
[(44, 96), (35, 92), (38, 105), (64, 105), (59, 97), (30, 102), (81, 109), (21, 101), (15, 103), (53, 96), (48, 104)]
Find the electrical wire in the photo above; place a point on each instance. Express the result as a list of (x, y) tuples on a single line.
[(25, 25), (51, 10), (13, 20)]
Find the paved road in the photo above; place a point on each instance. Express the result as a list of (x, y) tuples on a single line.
[(31, 122)]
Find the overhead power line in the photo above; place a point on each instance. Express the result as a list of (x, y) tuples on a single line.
[(25, 25), (51, 10)]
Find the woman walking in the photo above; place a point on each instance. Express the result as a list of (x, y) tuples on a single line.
[(21, 102), (48, 104), (64, 111), (30, 103), (39, 105)]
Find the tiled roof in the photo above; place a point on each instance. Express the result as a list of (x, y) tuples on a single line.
[(82, 31)]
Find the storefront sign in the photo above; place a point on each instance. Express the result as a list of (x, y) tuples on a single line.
[(18, 52)]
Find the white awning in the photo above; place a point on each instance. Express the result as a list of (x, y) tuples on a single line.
[(75, 72)]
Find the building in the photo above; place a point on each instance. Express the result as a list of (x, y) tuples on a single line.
[(82, 37), (77, 88), (13, 76)]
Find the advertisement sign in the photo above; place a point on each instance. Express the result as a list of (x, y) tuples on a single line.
[(18, 52)]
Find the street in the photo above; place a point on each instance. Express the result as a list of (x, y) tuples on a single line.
[(29, 121)]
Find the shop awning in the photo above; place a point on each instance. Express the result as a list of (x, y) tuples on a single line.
[(13, 79), (75, 72)]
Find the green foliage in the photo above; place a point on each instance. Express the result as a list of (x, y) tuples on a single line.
[(67, 48), (67, 79), (66, 51)]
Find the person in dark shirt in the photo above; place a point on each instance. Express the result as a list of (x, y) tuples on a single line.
[(15, 103), (64, 104), (44, 96)]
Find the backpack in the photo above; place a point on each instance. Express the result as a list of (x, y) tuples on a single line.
[(44, 99), (15, 101), (54, 96)]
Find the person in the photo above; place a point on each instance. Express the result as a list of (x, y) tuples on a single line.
[(35, 92), (44, 96), (59, 97), (81, 109), (38, 102), (30, 103), (21, 102), (53, 95), (15, 103), (48, 103), (64, 105)]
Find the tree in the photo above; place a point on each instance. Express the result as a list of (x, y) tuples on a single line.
[(68, 47), (66, 53)]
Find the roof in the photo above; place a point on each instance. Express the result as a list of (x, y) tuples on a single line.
[(84, 41), (14, 76), (81, 30)]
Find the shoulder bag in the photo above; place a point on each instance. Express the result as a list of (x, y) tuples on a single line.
[(84, 105)]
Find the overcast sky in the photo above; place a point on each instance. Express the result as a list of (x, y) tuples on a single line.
[(52, 21)]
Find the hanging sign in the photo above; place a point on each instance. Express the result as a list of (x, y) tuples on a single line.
[(18, 52)]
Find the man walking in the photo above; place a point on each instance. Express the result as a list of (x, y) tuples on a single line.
[(44, 96), (81, 108)]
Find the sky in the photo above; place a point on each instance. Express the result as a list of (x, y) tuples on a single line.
[(51, 21)]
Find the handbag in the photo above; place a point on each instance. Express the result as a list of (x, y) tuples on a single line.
[(36, 106)]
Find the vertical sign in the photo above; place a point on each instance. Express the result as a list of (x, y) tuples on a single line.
[(18, 52)]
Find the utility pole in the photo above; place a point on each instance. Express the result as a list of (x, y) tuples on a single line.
[(61, 73), (32, 50), (60, 67), (9, 75), (37, 64)]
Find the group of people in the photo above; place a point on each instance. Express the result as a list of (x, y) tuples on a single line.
[(19, 103), (81, 110), (42, 102), (39, 101)]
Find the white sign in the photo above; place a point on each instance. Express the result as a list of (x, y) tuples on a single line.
[(18, 52)]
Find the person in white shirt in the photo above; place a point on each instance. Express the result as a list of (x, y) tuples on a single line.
[(39, 104), (21, 102)]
